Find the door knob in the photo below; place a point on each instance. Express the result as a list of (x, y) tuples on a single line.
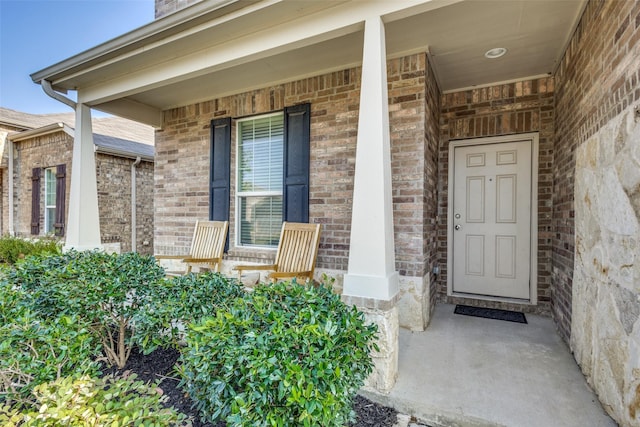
[(457, 227)]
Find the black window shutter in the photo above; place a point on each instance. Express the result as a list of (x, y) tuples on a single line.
[(35, 201), (295, 203), (61, 187), (219, 173)]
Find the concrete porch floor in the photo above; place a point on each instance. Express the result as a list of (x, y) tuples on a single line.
[(468, 371)]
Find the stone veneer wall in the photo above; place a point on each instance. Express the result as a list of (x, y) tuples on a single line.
[(605, 330), (113, 176), (505, 109), (595, 255), (182, 165), (598, 78)]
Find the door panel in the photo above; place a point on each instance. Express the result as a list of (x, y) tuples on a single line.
[(506, 192), (492, 220), (475, 199), (505, 259), (474, 255)]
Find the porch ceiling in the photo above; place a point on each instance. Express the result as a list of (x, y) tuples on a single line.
[(535, 32), (221, 47)]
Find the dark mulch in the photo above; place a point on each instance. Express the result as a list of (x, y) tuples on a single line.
[(159, 365)]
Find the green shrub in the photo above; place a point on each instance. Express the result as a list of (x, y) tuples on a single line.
[(180, 301), (285, 355), (14, 248), (105, 290), (35, 350), (103, 402), (12, 300)]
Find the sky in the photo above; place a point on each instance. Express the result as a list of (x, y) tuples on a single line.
[(35, 34)]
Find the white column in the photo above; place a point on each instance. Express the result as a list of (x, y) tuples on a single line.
[(371, 272), (83, 222)]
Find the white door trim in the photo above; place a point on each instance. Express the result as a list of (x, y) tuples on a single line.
[(533, 272)]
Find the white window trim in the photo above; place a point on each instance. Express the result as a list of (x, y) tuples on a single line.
[(239, 194), (49, 228)]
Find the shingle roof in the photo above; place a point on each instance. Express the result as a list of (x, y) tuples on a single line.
[(33, 121), (111, 133), (111, 143), (124, 129)]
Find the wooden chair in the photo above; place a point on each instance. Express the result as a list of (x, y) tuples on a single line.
[(296, 255), (207, 247)]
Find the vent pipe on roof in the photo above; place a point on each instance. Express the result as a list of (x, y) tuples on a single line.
[(133, 205), (46, 86)]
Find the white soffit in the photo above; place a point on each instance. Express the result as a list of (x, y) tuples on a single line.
[(456, 33), (535, 33)]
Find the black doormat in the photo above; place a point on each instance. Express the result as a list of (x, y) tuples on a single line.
[(491, 313)]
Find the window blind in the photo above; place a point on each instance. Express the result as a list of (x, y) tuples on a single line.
[(260, 169), (50, 200), (261, 220), (261, 154)]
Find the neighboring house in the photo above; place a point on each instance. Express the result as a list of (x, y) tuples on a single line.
[(41, 149), (440, 170)]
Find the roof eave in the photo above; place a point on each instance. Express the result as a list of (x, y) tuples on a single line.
[(123, 154), (62, 127), (157, 29), (41, 131), (15, 124)]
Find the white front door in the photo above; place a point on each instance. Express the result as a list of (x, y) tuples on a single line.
[(491, 219)]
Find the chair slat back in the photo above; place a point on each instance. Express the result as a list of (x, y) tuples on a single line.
[(209, 239), (298, 248)]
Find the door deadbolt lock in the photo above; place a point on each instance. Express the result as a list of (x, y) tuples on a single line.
[(457, 227), (457, 216)]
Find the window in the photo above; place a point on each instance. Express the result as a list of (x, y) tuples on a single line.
[(54, 199), (260, 143), (273, 157), (49, 200)]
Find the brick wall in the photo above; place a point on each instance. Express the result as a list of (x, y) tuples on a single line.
[(598, 78), (430, 203), (113, 176), (114, 189), (39, 152), (407, 121), (144, 207), (4, 202), (182, 161), (521, 107), (166, 7)]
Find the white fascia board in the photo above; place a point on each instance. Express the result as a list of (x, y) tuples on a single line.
[(217, 58), (121, 43), (62, 78), (62, 127), (15, 124), (337, 21), (41, 131), (123, 154)]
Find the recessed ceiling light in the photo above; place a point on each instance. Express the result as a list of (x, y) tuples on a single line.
[(496, 52)]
